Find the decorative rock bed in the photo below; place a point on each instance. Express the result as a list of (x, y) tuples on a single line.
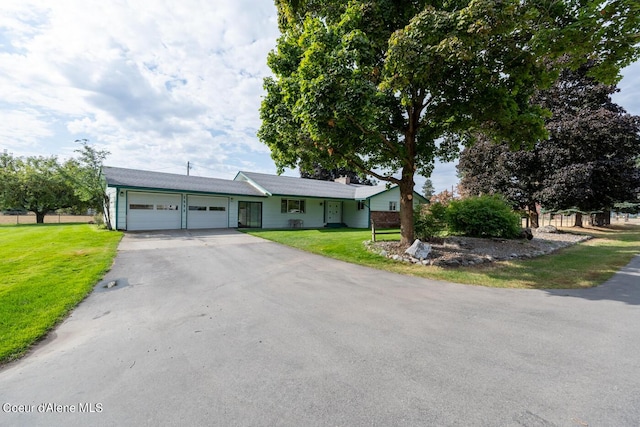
[(457, 251)]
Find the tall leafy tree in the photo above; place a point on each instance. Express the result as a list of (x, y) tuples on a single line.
[(393, 85), (587, 162), (518, 175), (428, 190), (9, 185), (85, 174), (35, 184)]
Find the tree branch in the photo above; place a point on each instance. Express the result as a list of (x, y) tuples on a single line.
[(385, 141), (358, 165)]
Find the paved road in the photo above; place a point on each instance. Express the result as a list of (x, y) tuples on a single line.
[(221, 328)]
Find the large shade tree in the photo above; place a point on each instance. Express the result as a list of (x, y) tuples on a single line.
[(393, 85), (36, 184), (518, 175), (587, 163), (589, 158)]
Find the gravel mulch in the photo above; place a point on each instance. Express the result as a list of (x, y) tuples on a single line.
[(456, 251)]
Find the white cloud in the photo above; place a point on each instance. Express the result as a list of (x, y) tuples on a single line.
[(153, 84), (25, 128)]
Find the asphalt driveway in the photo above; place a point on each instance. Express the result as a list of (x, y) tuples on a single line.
[(221, 328)]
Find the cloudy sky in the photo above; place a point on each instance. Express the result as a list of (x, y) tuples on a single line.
[(157, 86)]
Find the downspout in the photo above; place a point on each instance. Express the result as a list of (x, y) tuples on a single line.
[(117, 204), (324, 212)]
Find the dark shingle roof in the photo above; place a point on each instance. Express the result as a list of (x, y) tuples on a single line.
[(132, 178), (244, 184), (292, 186)]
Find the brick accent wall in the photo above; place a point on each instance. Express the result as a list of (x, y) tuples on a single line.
[(384, 219)]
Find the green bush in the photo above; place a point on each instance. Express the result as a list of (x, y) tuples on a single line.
[(484, 216), (429, 220), (98, 219)]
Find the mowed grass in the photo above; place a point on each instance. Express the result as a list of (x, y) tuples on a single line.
[(46, 270), (584, 265)]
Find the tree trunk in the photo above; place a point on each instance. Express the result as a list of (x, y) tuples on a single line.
[(533, 215), (578, 222), (106, 211), (602, 219), (40, 217), (406, 207)]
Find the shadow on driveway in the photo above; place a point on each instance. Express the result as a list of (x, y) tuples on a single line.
[(624, 287)]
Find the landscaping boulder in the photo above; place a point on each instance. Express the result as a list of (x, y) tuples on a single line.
[(547, 229), (419, 250)]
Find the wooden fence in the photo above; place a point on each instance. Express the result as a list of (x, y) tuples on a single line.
[(48, 219)]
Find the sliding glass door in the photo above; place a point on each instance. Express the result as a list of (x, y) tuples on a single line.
[(249, 214)]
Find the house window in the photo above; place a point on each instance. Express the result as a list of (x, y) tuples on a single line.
[(197, 208), (393, 206), (361, 205), (139, 206), (217, 208), (292, 206)]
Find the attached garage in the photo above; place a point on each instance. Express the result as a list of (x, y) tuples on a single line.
[(153, 211), (207, 212)]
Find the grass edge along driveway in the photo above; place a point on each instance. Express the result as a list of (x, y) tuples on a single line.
[(46, 271), (584, 265)]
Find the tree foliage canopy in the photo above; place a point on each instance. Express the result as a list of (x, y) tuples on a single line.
[(35, 184), (85, 173), (323, 174), (43, 184), (393, 85), (587, 162), (428, 190)]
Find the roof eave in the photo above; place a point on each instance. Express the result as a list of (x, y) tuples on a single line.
[(169, 190)]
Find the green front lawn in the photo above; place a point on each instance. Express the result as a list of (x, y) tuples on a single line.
[(46, 270), (585, 265)]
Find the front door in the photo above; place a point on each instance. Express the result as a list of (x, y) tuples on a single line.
[(334, 212)]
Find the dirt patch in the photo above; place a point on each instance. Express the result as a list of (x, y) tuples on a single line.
[(456, 251)]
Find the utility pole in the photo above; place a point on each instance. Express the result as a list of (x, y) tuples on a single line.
[(188, 167)]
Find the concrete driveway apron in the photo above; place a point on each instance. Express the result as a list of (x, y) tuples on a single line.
[(221, 328)]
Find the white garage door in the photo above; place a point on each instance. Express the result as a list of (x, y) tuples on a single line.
[(153, 211), (207, 212)]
